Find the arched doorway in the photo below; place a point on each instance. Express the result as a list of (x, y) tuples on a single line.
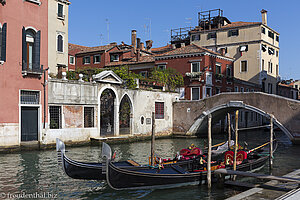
[(107, 113), (125, 113)]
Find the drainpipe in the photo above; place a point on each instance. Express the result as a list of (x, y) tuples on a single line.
[(44, 86)]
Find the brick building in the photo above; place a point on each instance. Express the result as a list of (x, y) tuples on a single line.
[(205, 72)]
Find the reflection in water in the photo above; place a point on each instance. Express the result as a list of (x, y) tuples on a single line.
[(37, 171)]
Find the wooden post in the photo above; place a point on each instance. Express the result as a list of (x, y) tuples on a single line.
[(229, 130), (271, 141), (153, 138), (209, 153), (236, 140)]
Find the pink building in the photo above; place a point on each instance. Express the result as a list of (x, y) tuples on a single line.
[(24, 49)]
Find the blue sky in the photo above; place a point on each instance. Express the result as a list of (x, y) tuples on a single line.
[(88, 22)]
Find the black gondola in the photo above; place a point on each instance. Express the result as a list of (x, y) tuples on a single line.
[(83, 170), (172, 175)]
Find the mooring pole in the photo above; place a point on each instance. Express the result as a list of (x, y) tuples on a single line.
[(271, 141), (153, 138), (209, 153), (229, 130), (236, 140)]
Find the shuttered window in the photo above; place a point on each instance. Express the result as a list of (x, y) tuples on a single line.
[(60, 43), (159, 110), (31, 43), (60, 10)]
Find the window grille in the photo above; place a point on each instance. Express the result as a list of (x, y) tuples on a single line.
[(88, 117), (55, 117), (30, 97), (159, 110)]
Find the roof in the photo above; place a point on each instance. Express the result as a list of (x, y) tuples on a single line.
[(142, 59), (163, 49), (192, 48), (76, 46), (228, 26), (98, 48)]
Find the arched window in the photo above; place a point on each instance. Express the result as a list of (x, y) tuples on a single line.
[(31, 50), (60, 43)]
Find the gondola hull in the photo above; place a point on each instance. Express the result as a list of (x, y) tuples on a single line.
[(172, 175)]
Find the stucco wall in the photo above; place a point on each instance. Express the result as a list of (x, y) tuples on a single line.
[(57, 26), (74, 95)]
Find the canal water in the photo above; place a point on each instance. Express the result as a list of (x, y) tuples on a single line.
[(37, 172)]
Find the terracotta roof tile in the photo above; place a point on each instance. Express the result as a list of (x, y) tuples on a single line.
[(192, 48), (142, 59)]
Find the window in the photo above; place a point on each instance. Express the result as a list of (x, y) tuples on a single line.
[(251, 116), (270, 89), (60, 8), (211, 35), (277, 53), (144, 74), (195, 93), (195, 67), (263, 30), (72, 60), (60, 43), (247, 90), (31, 50), (88, 117), (218, 90), (270, 67), (271, 34), (236, 88), (86, 60), (252, 90), (218, 69), (264, 47), (242, 89), (243, 48), (228, 70), (30, 97), (3, 42), (97, 59), (277, 70), (195, 37), (277, 38), (114, 58), (271, 51), (244, 67), (233, 33), (161, 67), (55, 117), (263, 64), (159, 110)]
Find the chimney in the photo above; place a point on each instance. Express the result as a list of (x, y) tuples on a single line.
[(182, 44), (142, 46), (264, 16), (149, 45), (138, 43), (133, 40), (173, 46), (113, 43), (138, 55)]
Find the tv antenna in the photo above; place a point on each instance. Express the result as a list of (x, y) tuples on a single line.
[(149, 27)]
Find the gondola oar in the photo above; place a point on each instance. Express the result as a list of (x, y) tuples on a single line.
[(259, 147)]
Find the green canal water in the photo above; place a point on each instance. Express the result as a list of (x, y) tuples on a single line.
[(37, 173)]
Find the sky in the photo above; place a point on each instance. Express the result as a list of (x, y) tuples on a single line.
[(99, 22)]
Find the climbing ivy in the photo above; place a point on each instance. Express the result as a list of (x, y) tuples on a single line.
[(171, 78)]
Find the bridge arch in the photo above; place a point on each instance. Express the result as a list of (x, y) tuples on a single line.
[(220, 110)]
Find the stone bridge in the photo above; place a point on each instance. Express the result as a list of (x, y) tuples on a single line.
[(190, 117)]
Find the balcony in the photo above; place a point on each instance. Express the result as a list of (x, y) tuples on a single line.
[(32, 71)]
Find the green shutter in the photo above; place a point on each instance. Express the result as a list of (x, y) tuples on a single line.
[(36, 51), (24, 50), (3, 45)]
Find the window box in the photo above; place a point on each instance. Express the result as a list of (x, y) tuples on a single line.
[(193, 74), (219, 76)]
